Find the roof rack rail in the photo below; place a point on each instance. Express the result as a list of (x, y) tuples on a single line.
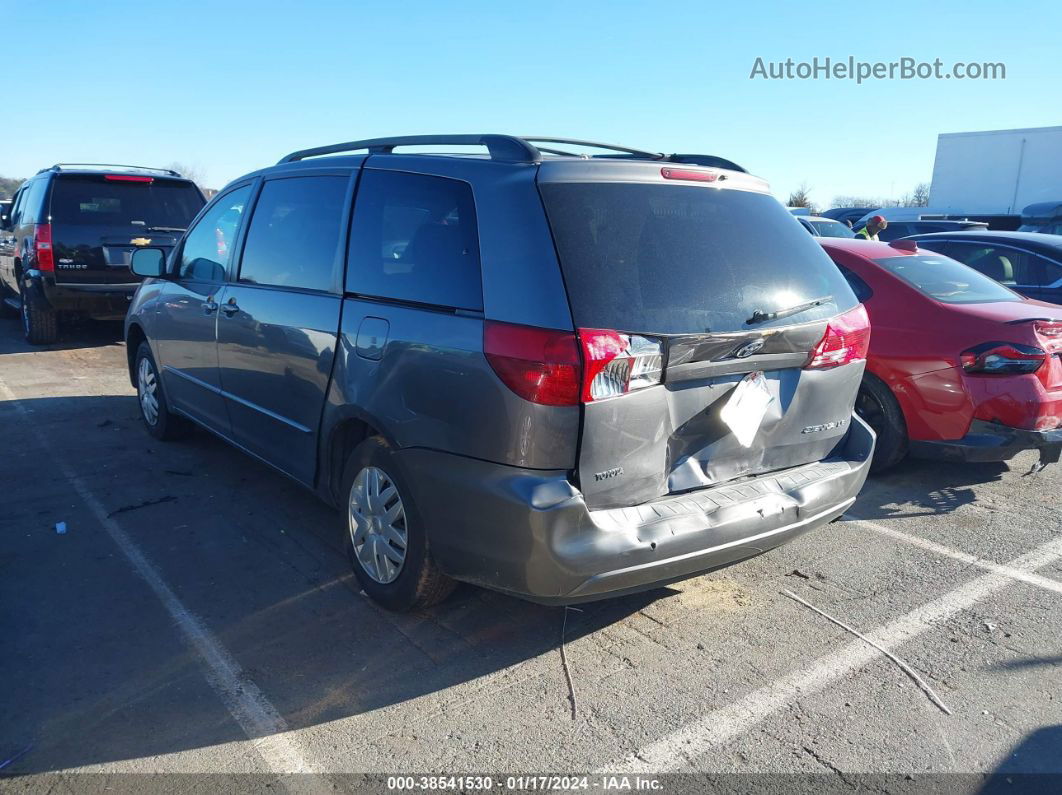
[(709, 161), (510, 148), (501, 147), (61, 166), (712, 161), (625, 150)]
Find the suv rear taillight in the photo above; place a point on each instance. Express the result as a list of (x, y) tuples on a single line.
[(618, 363), (42, 247), (559, 368), (1002, 358), (540, 365), (847, 339)]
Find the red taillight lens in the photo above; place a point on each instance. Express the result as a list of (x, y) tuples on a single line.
[(127, 178), (558, 368), (618, 363), (540, 365), (1002, 358), (42, 246), (1050, 333), (847, 339)]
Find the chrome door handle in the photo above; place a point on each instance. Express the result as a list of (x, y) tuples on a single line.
[(210, 306), (230, 308)]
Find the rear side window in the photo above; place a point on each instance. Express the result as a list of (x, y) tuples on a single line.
[(859, 287), (831, 229), (414, 238), (209, 244), (32, 201), (98, 201), (294, 233), (946, 280), (1006, 265), (681, 259)]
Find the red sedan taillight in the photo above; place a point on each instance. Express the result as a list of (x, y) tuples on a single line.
[(847, 339), (559, 368), (1002, 358), (42, 247)]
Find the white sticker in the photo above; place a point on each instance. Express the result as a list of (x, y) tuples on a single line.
[(746, 407)]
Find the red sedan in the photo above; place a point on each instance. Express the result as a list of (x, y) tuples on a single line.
[(960, 367)]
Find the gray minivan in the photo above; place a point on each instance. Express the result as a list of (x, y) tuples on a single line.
[(557, 374)]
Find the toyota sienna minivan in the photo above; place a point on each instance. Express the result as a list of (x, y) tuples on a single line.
[(561, 375)]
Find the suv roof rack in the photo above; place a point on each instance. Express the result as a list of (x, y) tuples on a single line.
[(510, 148), (501, 147), (107, 167)]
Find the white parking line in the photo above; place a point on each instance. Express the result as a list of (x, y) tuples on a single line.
[(1027, 577), (258, 718), (679, 749)]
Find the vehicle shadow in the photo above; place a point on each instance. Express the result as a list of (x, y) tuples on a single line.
[(72, 335), (95, 671), (1033, 765), (941, 487)]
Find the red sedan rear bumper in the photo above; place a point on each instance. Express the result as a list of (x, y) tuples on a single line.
[(990, 441)]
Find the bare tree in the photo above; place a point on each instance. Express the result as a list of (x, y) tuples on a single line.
[(801, 197), (920, 195), (193, 173)]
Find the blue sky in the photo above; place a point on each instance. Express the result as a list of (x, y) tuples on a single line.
[(227, 87)]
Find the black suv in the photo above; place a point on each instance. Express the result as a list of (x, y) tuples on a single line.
[(71, 232)]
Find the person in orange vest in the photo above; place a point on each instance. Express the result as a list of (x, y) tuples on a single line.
[(874, 225)]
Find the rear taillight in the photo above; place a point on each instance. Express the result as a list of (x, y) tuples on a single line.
[(1002, 358), (1050, 333), (618, 363), (42, 247), (847, 339), (559, 368), (540, 365)]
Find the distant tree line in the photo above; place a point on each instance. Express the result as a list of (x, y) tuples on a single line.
[(8, 186), (919, 197)]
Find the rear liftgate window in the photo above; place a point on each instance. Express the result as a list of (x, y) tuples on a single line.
[(143, 202), (678, 259)]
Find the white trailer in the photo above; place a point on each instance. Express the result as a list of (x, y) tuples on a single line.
[(997, 172)]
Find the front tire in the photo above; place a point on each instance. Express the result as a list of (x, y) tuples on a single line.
[(160, 422), (39, 324), (879, 408), (386, 540)]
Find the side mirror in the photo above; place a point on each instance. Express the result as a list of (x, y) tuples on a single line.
[(149, 262)]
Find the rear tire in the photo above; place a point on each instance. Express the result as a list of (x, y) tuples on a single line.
[(878, 407), (160, 422), (386, 540), (39, 324)]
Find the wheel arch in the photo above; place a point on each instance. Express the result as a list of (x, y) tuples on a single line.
[(134, 335), (338, 441)]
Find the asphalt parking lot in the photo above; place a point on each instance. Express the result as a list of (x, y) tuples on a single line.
[(197, 616)]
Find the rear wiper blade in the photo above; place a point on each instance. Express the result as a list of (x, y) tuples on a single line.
[(763, 317), (165, 229)]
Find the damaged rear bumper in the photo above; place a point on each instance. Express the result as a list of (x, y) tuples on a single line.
[(990, 441), (530, 533)]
